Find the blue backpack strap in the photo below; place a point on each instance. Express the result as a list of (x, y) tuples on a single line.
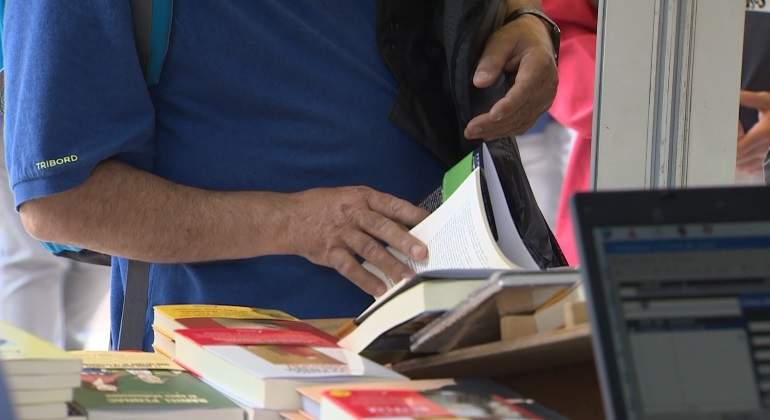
[(152, 30)]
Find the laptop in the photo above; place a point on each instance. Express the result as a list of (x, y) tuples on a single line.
[(678, 284)]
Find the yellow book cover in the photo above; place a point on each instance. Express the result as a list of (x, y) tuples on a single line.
[(25, 354), (124, 360), (173, 317)]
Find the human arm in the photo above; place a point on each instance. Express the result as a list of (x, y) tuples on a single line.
[(121, 210), (524, 49), (754, 144)]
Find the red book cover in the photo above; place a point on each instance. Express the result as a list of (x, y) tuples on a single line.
[(441, 403), (365, 404), (270, 332)]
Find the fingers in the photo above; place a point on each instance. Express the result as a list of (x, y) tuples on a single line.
[(756, 100), (531, 94), (342, 261), (497, 52), (396, 209), (751, 165), (756, 140), (393, 234), (485, 127), (529, 79), (373, 252)]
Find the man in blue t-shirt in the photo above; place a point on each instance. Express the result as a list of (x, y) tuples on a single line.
[(237, 175)]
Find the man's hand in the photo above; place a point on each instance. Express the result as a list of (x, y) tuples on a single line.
[(523, 48), (330, 226), (754, 145)]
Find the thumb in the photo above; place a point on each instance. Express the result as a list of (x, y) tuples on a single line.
[(492, 61)]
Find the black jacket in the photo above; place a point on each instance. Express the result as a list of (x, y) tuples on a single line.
[(432, 48)]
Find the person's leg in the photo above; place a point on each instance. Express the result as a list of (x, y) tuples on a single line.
[(31, 280), (544, 156), (87, 316), (577, 179)]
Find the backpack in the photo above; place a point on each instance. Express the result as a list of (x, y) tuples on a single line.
[(152, 29)]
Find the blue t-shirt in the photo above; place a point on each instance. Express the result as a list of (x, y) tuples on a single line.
[(255, 95)]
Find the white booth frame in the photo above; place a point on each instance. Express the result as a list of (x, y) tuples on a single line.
[(667, 83)]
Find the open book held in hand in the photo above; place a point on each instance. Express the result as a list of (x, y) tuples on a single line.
[(474, 228)]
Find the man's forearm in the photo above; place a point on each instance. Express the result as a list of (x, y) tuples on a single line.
[(123, 211)]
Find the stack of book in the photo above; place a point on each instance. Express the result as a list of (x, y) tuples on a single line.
[(39, 376), (169, 318), (258, 358), (444, 310), (133, 385)]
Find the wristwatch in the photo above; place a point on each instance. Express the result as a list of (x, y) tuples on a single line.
[(555, 32)]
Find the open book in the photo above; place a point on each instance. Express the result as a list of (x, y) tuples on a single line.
[(473, 228)]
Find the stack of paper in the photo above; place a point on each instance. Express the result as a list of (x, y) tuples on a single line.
[(40, 376)]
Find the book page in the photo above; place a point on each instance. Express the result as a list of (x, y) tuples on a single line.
[(457, 235), (508, 235)]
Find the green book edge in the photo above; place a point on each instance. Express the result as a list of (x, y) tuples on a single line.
[(455, 176)]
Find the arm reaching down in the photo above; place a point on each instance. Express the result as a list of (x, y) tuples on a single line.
[(524, 49), (124, 211)]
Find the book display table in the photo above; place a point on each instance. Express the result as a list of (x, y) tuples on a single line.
[(555, 369)]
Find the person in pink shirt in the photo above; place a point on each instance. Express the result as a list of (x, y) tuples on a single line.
[(573, 106)]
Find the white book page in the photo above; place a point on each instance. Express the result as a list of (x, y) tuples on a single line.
[(280, 362), (457, 235), (508, 237)]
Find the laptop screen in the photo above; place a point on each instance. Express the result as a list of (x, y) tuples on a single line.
[(689, 307)]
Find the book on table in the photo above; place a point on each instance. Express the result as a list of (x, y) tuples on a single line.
[(384, 330), (312, 395), (476, 319), (24, 354), (471, 234), (168, 318), (262, 367), (40, 377), (122, 385), (464, 399)]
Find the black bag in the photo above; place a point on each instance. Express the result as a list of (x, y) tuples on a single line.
[(466, 27)]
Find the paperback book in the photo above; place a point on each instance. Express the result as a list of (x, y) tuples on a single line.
[(118, 385), (262, 367), (463, 400), (168, 318)]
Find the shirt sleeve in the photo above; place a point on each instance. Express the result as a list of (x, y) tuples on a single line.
[(75, 94)]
